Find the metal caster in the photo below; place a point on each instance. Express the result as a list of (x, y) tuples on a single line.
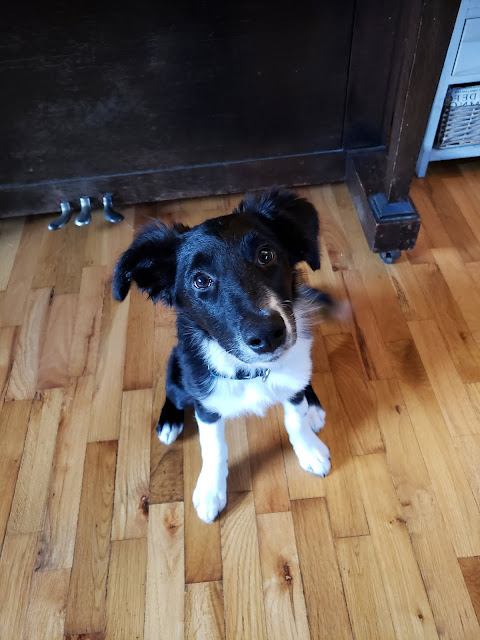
[(62, 220), (108, 212), (85, 215), (389, 257)]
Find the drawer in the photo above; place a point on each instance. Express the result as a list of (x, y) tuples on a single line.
[(468, 56)]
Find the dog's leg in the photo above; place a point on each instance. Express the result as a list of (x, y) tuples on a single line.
[(210, 495), (315, 411), (301, 419), (170, 423)]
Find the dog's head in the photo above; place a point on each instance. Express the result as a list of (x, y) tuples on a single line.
[(233, 275)]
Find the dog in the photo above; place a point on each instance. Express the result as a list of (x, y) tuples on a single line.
[(243, 323)]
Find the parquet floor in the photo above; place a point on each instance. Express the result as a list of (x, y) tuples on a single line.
[(98, 535)]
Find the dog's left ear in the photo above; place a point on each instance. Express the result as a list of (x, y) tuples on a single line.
[(293, 219), (151, 262)]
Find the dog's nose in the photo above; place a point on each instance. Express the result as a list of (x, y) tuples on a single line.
[(264, 334)]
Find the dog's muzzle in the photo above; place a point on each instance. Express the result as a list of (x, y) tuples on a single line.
[(264, 334)]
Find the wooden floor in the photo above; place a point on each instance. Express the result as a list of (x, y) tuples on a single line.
[(98, 535)]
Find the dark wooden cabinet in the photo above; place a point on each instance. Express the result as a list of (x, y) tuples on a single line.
[(153, 100)]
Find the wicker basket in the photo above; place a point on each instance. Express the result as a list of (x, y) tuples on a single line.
[(460, 121)]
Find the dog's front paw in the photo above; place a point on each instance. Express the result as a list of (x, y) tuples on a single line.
[(315, 417), (312, 454), (209, 497), (168, 433)]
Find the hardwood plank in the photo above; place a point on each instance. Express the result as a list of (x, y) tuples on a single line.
[(333, 235), (203, 560), (346, 507), (107, 394), (46, 605), (164, 611), (380, 297), (301, 483), (239, 476), (166, 462), (408, 291), (453, 493), (97, 228), (432, 224), (362, 581), (164, 316), (14, 419), (421, 252), (48, 263), (285, 610), (58, 537), (369, 340), (23, 379), (139, 346), (319, 352), (86, 606), (126, 590), (384, 301), (116, 238), (465, 194), (86, 636), (204, 611), (11, 230), (473, 391), (69, 274), (452, 218), (473, 269), (468, 451), (345, 504), (165, 340), (86, 332), (362, 431), (350, 223), (130, 511), (270, 490), (16, 568), (8, 343), (446, 382), (431, 542), (12, 309), (31, 490), (471, 573), (332, 283), (53, 366), (461, 346), (407, 599), (462, 287), (242, 580), (330, 280), (325, 596)]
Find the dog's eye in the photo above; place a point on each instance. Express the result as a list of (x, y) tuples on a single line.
[(202, 281), (265, 256)]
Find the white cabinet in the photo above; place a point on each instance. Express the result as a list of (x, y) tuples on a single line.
[(462, 67)]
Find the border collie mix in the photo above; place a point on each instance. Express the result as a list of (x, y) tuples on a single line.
[(243, 324)]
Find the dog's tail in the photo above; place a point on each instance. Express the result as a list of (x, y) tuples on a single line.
[(320, 306)]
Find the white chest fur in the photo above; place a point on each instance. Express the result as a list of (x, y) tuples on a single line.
[(288, 375)]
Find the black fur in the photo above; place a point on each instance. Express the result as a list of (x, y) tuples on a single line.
[(164, 263), (307, 393)]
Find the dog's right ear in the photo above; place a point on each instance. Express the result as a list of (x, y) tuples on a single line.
[(151, 262)]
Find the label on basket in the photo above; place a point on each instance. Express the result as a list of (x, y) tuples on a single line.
[(465, 96)]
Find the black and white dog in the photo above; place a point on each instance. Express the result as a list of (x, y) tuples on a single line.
[(243, 324)]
